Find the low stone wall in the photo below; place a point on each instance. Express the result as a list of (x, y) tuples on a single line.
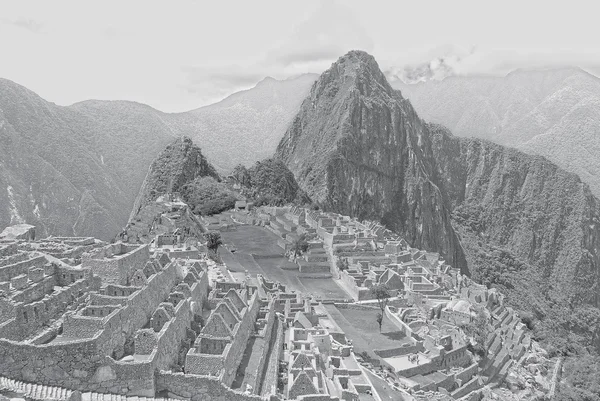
[(198, 388), (470, 386), (356, 306), (467, 374), (403, 327), (399, 351)]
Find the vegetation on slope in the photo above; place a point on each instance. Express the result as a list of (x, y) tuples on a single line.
[(269, 182), (207, 196), (180, 163), (553, 112), (73, 170)]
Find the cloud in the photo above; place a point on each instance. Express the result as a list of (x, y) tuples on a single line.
[(331, 31), (435, 64), (327, 34), (219, 81), (28, 24), (452, 60)]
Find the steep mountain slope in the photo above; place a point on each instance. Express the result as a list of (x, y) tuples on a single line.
[(554, 113), (73, 170), (246, 126), (269, 181), (512, 220), (358, 148)]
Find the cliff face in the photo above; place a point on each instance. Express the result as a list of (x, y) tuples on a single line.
[(544, 216), (269, 181), (180, 163), (552, 112), (357, 147), (510, 219)]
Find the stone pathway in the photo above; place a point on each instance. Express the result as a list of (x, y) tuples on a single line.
[(50, 393)]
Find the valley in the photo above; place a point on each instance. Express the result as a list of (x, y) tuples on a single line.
[(321, 189)]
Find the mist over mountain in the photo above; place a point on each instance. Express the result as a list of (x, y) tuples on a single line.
[(552, 112)]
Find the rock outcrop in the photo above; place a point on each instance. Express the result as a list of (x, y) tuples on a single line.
[(180, 163), (269, 181)]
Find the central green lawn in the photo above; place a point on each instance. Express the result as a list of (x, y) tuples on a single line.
[(257, 251)]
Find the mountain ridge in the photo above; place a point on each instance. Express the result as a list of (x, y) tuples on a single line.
[(553, 112)]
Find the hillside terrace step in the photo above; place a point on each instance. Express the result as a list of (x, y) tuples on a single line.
[(313, 267), (291, 237), (508, 320), (316, 257), (275, 225)]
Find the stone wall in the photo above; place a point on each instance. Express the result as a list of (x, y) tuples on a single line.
[(9, 271), (114, 266), (81, 364), (268, 332), (470, 386), (33, 315), (269, 381), (240, 340), (78, 326)]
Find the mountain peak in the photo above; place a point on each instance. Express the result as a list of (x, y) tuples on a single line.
[(357, 71), (357, 62)]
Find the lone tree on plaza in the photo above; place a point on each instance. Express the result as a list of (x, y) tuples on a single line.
[(342, 263), (300, 245), (382, 294), (379, 320), (213, 241)]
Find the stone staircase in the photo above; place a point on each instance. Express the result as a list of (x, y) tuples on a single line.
[(41, 392)]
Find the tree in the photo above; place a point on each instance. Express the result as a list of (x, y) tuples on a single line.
[(342, 264), (300, 245), (479, 329), (379, 320), (382, 294), (213, 241)]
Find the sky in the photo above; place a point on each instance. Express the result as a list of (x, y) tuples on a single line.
[(182, 54)]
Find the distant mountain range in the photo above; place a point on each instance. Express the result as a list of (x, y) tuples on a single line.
[(77, 170), (246, 126), (554, 113), (73, 170)]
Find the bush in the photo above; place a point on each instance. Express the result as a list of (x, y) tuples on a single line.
[(206, 196)]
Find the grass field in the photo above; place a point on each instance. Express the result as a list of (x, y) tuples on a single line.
[(256, 250), (361, 327)]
